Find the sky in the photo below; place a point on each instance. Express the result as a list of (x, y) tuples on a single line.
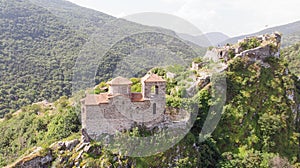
[(231, 17)]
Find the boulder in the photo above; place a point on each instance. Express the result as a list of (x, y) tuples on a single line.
[(70, 145)]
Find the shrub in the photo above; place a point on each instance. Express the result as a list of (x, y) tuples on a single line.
[(197, 60), (252, 43)]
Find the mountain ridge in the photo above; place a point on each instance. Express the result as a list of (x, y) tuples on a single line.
[(205, 40), (290, 31)]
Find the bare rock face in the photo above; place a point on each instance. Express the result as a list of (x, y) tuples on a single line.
[(85, 138), (278, 162), (58, 146), (35, 161), (40, 159), (203, 81), (257, 53), (70, 145)]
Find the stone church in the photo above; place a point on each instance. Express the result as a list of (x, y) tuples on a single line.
[(119, 109)]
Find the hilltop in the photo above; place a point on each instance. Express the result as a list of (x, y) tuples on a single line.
[(290, 32), (259, 125)]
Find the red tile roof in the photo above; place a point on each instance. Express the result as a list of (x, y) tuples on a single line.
[(152, 78), (103, 98), (119, 81), (94, 99)]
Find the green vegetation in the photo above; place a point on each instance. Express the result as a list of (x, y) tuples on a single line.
[(37, 125), (184, 154), (292, 54), (41, 40), (122, 59), (258, 127), (259, 117), (38, 49), (197, 60), (136, 85), (175, 69), (159, 71), (291, 38), (250, 44), (231, 54), (60, 120), (101, 88), (36, 55)]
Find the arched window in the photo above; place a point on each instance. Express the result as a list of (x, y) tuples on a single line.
[(154, 108), (154, 89)]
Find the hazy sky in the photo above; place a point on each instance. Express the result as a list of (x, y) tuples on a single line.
[(232, 17)]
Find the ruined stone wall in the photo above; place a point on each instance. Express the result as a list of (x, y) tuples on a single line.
[(259, 53), (270, 46), (83, 116)]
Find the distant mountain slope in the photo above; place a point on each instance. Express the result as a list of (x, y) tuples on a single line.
[(292, 54), (183, 28), (205, 40), (35, 55), (41, 40), (76, 17), (216, 37), (291, 34)]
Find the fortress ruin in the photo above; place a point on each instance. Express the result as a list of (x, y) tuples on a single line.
[(267, 45)]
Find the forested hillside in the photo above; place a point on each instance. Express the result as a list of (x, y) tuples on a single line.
[(37, 54), (50, 49), (259, 126), (41, 41), (292, 54), (261, 116)]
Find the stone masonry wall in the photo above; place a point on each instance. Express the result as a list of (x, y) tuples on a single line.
[(121, 114), (146, 88), (120, 89), (105, 119)]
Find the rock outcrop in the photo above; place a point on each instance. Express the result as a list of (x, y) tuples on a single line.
[(35, 159)]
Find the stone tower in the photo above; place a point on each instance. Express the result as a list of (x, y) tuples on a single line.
[(120, 85), (154, 89)]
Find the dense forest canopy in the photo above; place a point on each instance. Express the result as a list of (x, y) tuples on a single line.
[(37, 54), (42, 40), (292, 54)]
